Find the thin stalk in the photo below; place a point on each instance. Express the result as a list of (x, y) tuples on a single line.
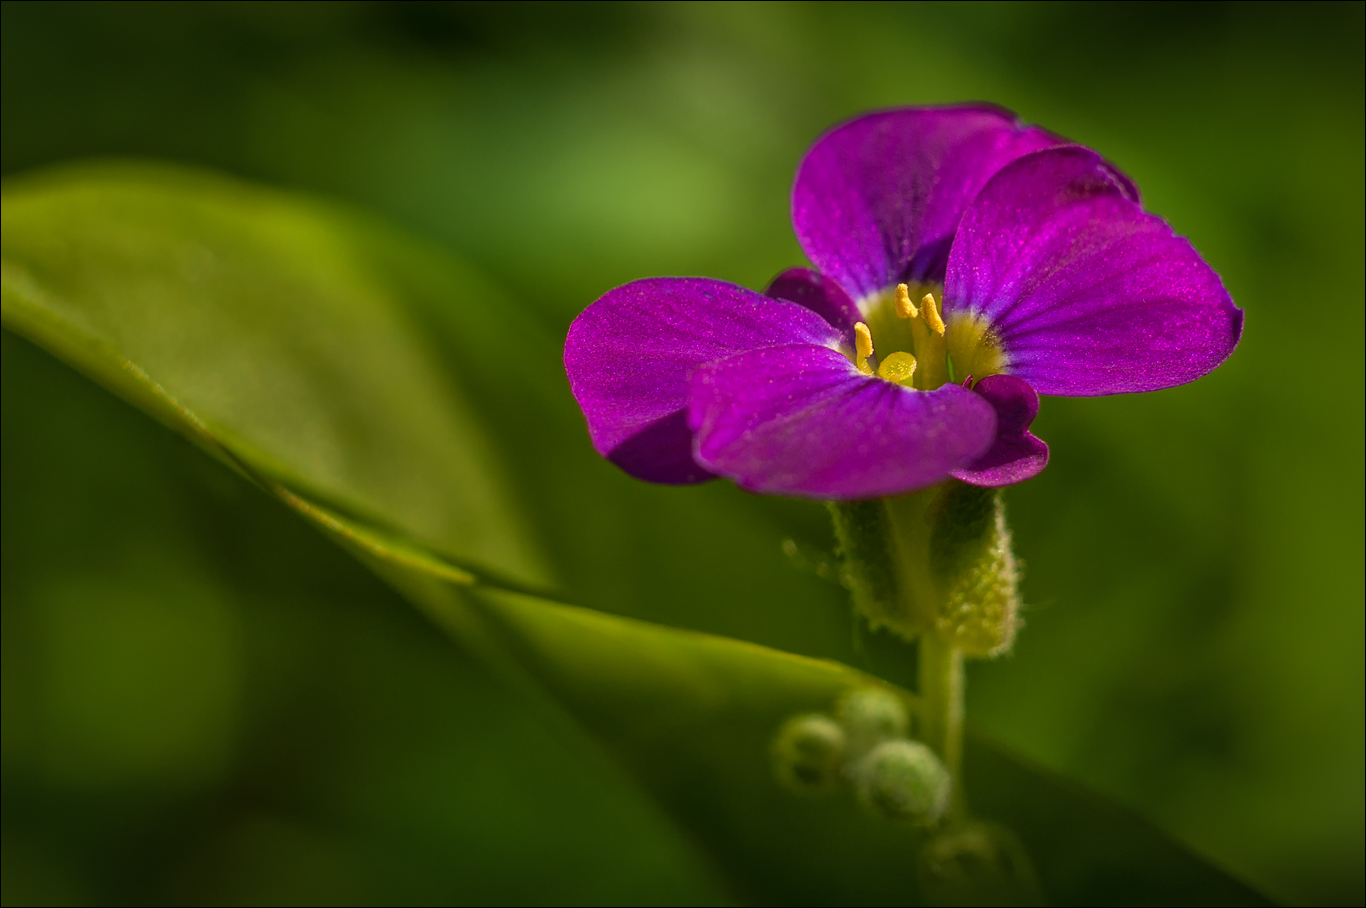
[(941, 705)]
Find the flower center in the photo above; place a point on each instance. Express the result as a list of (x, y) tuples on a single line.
[(915, 348)]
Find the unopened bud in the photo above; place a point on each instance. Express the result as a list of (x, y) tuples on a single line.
[(977, 864), (904, 780), (871, 716), (808, 752)]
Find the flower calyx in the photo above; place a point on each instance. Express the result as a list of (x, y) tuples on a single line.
[(935, 563)]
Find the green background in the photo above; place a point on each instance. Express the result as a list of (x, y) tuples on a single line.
[(206, 701)]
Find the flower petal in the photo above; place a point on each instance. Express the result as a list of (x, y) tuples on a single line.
[(1087, 293), (629, 355), (801, 420), (661, 452), (877, 200), (1016, 454), (818, 293)]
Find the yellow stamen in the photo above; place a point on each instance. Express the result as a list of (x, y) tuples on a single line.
[(904, 307), (931, 313), (897, 367), (863, 346)]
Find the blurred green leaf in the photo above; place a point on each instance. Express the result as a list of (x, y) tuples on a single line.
[(206, 701), (385, 371), (249, 322), (692, 716)]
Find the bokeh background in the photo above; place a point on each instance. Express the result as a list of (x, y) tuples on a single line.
[(204, 701)]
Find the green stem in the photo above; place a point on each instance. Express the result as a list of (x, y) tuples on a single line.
[(941, 704)]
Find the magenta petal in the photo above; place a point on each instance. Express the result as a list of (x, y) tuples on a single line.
[(1015, 402), (661, 452), (818, 293), (801, 420), (1016, 454), (629, 355), (877, 200), (1087, 293)]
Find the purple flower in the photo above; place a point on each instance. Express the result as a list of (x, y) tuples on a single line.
[(965, 264)]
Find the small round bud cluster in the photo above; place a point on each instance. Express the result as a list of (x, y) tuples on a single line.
[(868, 748), (808, 754), (904, 780)]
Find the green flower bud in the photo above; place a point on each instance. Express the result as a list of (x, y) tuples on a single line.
[(807, 754), (904, 780), (871, 716), (977, 864)]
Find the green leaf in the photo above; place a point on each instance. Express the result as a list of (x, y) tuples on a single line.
[(250, 321), (263, 328), (271, 373), (208, 701), (693, 716), (1086, 850)]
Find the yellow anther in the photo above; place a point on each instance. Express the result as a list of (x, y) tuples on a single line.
[(863, 346), (904, 307), (931, 313), (897, 367)]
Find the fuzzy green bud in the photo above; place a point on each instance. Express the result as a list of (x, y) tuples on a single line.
[(807, 754), (977, 864), (871, 716), (904, 780)]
